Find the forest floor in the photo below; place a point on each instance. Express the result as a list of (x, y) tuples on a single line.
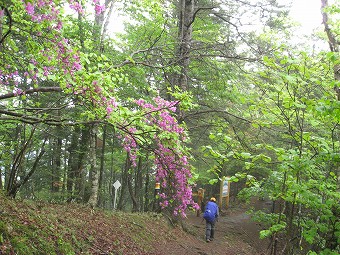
[(28, 227)]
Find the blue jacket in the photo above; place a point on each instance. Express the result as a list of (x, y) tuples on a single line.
[(211, 211)]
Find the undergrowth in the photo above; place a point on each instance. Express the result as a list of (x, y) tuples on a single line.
[(29, 227)]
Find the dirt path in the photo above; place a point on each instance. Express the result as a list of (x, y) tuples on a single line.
[(235, 234)]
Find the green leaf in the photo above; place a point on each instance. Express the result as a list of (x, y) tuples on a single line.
[(213, 181), (245, 155)]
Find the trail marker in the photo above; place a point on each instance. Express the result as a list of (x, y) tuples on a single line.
[(116, 185), (224, 191)]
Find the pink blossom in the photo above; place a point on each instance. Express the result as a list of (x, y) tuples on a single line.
[(59, 25), (77, 7), (109, 110), (77, 66), (41, 3), (29, 8), (99, 8), (97, 89), (45, 68), (113, 102), (18, 91)]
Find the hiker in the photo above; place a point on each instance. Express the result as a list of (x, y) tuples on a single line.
[(211, 216)]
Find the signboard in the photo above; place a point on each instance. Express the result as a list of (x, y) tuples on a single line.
[(225, 187), (224, 192), (117, 185)]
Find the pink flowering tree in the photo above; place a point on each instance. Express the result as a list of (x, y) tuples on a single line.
[(160, 130), (54, 62)]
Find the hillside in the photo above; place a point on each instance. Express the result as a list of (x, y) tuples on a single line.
[(28, 227)]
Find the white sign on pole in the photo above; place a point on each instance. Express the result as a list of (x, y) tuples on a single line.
[(116, 185), (225, 188)]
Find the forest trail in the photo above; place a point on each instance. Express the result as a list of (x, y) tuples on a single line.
[(235, 234)]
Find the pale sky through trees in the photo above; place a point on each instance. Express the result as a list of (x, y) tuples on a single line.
[(305, 12), (308, 13)]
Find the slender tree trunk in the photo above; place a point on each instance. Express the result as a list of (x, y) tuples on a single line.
[(139, 184), (56, 165), (17, 162), (7, 168), (80, 172), (124, 182), (146, 192), (72, 162), (18, 185), (94, 169), (135, 188), (132, 194), (112, 171), (101, 169), (1, 184)]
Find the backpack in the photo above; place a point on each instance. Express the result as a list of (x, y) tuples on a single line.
[(210, 212)]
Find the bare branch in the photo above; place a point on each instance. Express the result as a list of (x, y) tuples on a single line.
[(31, 91), (195, 13)]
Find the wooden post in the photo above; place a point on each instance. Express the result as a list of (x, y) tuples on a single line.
[(224, 191), (200, 196)]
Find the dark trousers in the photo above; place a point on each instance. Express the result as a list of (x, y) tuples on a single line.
[(209, 230)]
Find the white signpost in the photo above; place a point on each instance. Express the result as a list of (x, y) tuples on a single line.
[(116, 185), (225, 190)]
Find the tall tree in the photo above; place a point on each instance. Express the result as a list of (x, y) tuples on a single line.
[(333, 41)]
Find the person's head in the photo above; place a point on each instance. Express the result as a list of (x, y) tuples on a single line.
[(213, 199)]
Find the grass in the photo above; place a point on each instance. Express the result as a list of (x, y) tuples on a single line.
[(28, 227)]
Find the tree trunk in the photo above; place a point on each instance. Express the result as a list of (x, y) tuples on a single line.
[(132, 194), (13, 191), (94, 169), (56, 165), (135, 188), (333, 43), (72, 162), (112, 172), (80, 172), (186, 15), (1, 184), (11, 187), (139, 184), (146, 192), (124, 182), (101, 170), (185, 21)]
